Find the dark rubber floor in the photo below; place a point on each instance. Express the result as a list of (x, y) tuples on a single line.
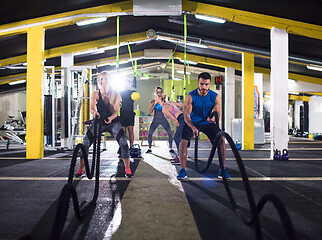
[(30, 190)]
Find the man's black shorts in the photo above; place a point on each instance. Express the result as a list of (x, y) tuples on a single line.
[(211, 130), (127, 119)]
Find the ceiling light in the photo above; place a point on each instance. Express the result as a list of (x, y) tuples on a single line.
[(189, 62), (193, 44), (89, 52), (314, 67), (210, 18), (144, 78), (182, 72), (108, 47), (91, 21), (17, 82)]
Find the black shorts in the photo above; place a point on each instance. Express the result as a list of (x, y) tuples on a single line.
[(127, 119), (211, 130)]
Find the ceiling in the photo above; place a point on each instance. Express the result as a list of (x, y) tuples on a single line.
[(228, 39)]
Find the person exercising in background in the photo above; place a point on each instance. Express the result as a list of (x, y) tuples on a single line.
[(198, 105), (105, 104), (175, 115), (127, 114), (158, 119)]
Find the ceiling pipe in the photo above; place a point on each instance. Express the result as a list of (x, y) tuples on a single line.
[(232, 46)]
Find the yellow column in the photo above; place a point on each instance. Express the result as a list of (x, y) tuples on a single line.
[(34, 99), (248, 101)]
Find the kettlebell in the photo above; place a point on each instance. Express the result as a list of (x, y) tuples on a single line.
[(238, 146), (285, 155), (277, 155)]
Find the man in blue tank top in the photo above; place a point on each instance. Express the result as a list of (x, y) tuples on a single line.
[(198, 105)]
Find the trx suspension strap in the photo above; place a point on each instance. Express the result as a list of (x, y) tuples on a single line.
[(117, 41), (172, 82), (185, 57), (168, 63)]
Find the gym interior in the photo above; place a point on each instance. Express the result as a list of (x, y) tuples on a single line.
[(265, 62)]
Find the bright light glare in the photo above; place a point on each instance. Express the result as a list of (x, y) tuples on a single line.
[(118, 82), (91, 21), (210, 18)]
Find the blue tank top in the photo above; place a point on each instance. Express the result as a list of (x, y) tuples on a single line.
[(202, 106)]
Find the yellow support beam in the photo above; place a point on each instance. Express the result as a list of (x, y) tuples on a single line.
[(254, 19), (64, 19), (208, 60), (79, 47), (248, 101), (200, 59), (35, 111), (299, 98), (315, 93)]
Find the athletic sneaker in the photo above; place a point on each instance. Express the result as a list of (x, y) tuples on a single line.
[(182, 174), (172, 151), (175, 161), (149, 151), (80, 173), (220, 174), (128, 173)]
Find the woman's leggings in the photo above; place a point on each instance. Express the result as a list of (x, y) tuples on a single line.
[(117, 132), (159, 119), (177, 135)]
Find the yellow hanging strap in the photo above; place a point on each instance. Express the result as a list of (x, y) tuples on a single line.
[(168, 63), (117, 41), (185, 57), (134, 66), (172, 82)]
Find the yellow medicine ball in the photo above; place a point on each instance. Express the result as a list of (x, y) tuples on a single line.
[(135, 96)]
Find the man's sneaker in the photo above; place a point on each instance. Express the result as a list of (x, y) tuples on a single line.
[(182, 174), (172, 151), (175, 161), (128, 173), (220, 174), (149, 151), (80, 173)]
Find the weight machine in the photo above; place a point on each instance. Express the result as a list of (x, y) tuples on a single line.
[(63, 101)]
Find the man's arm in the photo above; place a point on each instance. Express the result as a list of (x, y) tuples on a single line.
[(187, 109), (217, 109)]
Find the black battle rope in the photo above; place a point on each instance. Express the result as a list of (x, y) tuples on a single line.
[(255, 210), (69, 189)]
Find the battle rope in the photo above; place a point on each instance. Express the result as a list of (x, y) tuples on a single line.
[(254, 209), (69, 189)]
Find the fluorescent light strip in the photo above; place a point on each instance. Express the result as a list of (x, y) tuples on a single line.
[(210, 18), (17, 82), (91, 21), (182, 72), (193, 44), (189, 62), (314, 67)]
